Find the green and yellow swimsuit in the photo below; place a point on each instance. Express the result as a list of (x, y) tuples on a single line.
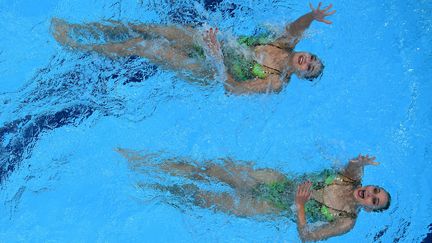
[(281, 195), (244, 68)]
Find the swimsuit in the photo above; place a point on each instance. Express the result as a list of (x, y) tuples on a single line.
[(243, 67), (318, 211), (281, 195)]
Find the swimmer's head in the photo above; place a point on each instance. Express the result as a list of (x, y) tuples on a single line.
[(307, 65), (372, 198)]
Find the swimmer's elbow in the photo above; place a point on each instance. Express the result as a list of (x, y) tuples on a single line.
[(276, 86), (233, 89)]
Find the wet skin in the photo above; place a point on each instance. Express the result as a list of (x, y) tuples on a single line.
[(305, 63), (371, 197)]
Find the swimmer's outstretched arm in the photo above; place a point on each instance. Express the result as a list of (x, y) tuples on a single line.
[(354, 169), (306, 233), (294, 31)]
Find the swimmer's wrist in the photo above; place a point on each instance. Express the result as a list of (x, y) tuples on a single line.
[(300, 205)]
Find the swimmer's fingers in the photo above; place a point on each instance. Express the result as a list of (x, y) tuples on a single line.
[(311, 7), (359, 159), (308, 192), (328, 7), (212, 42), (300, 190), (366, 160), (325, 21), (320, 14), (209, 35), (303, 193), (308, 189), (212, 34), (374, 163), (305, 188), (330, 13)]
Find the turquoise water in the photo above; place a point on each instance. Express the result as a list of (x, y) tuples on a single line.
[(62, 114)]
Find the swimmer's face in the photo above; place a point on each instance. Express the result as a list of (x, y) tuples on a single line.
[(371, 197), (306, 64)]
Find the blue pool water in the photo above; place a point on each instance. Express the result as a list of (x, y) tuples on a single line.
[(62, 113)]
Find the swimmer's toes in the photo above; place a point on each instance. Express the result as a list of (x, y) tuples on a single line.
[(58, 21), (57, 24)]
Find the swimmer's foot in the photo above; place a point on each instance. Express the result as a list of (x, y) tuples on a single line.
[(60, 30)]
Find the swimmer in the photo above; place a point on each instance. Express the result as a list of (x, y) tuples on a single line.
[(332, 199), (256, 64)]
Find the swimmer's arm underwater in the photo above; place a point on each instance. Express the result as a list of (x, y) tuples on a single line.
[(271, 83), (337, 227), (295, 30), (327, 230), (354, 169)]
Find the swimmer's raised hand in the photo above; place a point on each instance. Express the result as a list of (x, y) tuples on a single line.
[(320, 14), (212, 42), (303, 193), (365, 160)]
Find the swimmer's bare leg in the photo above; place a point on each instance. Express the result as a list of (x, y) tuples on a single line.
[(169, 32), (238, 176), (242, 176), (230, 203), (62, 31), (243, 206), (230, 173), (174, 166), (155, 51), (159, 52), (137, 160), (183, 167), (267, 176), (191, 194), (207, 171)]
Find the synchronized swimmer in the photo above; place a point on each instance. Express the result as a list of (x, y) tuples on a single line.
[(331, 197), (251, 64), (261, 63)]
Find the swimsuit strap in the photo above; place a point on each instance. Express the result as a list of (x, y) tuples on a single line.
[(271, 44), (342, 213), (279, 47), (284, 78), (345, 181), (347, 178), (274, 69), (277, 71)]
